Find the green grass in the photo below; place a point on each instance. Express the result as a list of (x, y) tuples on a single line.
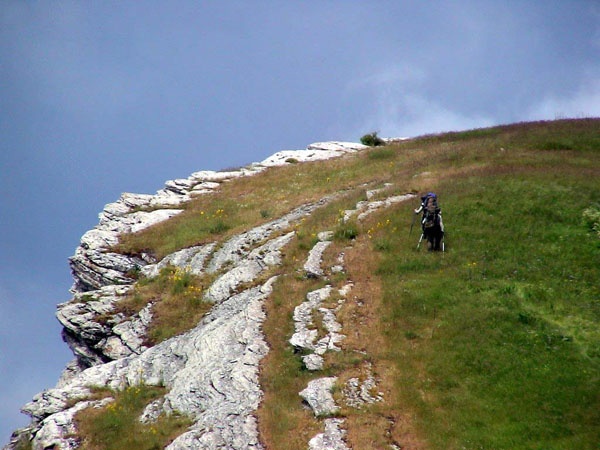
[(382, 153), (494, 344), (497, 340), (346, 231), (116, 426), (178, 304)]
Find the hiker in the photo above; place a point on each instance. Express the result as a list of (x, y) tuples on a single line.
[(431, 223)]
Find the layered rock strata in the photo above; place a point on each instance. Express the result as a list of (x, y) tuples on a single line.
[(94, 266), (211, 372)]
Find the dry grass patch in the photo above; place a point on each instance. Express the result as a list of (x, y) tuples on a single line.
[(283, 421), (383, 423)]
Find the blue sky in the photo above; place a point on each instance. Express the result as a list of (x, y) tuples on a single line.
[(98, 98)]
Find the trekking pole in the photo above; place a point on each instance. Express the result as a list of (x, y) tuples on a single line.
[(420, 239), (412, 224)]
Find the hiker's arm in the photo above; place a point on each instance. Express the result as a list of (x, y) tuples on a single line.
[(417, 211)]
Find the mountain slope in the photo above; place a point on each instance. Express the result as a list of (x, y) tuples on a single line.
[(320, 299)]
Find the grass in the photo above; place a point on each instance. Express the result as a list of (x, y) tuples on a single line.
[(346, 231), (249, 201), (116, 426), (178, 305), (496, 341), (24, 442), (493, 344), (283, 421)]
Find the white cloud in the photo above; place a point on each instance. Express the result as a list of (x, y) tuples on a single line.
[(584, 103), (401, 107), (414, 114)]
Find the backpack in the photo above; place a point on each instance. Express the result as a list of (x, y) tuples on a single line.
[(431, 211)]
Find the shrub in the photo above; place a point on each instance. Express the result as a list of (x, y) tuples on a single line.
[(372, 140), (291, 160)]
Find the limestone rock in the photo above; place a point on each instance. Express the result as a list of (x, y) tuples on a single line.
[(313, 361), (312, 267), (314, 152), (318, 396), (325, 235), (304, 337), (94, 339), (211, 373), (237, 247), (371, 193), (358, 393), (333, 336), (57, 430), (192, 257), (268, 254), (332, 438), (371, 207), (152, 411), (339, 146)]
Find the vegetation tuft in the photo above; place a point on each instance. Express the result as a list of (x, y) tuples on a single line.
[(117, 426), (346, 231), (382, 153), (177, 297)]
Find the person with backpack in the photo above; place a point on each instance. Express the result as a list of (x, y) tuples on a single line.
[(431, 222)]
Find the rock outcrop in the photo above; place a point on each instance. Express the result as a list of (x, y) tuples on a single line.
[(211, 371)]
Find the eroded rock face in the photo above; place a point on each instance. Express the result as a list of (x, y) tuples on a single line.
[(95, 334), (357, 391), (193, 258), (58, 430), (211, 371), (211, 374), (314, 152), (304, 336), (257, 261), (312, 266)]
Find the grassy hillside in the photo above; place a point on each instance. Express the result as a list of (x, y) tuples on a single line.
[(493, 344)]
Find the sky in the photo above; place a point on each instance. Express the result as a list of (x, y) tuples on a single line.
[(99, 98)]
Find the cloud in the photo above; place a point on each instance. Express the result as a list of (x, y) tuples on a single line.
[(585, 102), (399, 104)]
